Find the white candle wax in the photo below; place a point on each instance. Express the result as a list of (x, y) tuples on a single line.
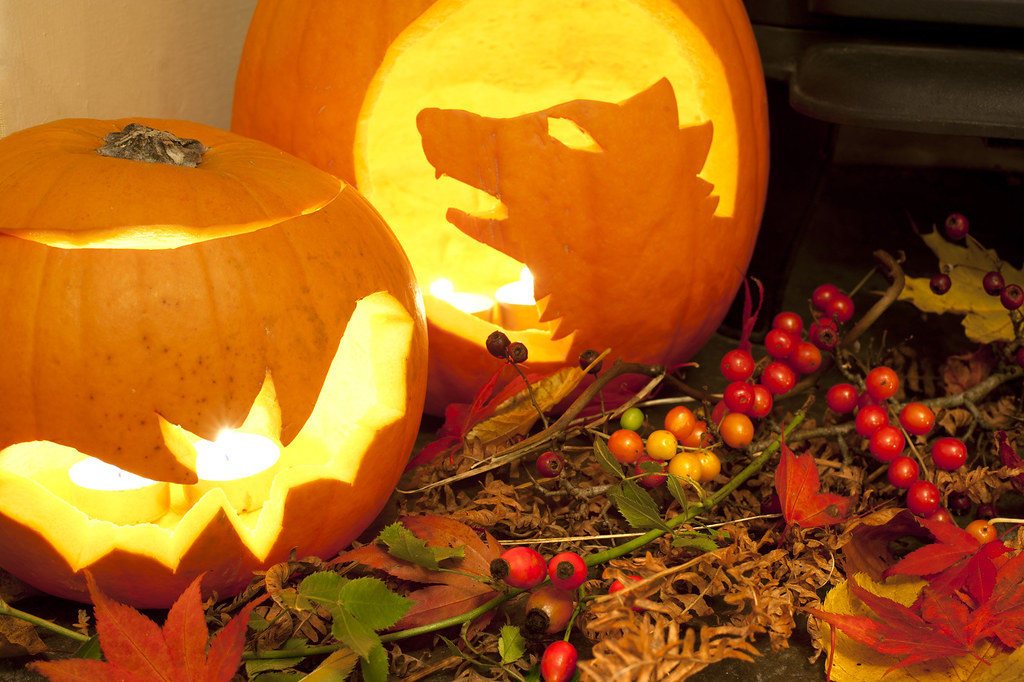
[(96, 474)]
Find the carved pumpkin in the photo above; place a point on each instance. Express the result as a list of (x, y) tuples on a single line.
[(616, 148), (155, 315)]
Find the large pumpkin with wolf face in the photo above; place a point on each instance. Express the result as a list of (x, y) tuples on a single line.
[(618, 149), (153, 312)]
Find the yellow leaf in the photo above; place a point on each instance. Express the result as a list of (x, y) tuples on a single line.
[(856, 662), (517, 414), (985, 318)]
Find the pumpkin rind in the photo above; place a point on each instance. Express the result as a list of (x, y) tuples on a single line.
[(297, 90), (108, 345)]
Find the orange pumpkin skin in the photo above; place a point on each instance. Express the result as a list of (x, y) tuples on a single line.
[(651, 255), (273, 273)]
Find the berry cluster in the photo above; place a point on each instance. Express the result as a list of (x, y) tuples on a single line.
[(549, 607), (680, 448), (887, 438), (1011, 296)]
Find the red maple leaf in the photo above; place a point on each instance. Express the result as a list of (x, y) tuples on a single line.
[(938, 629), (139, 650), (798, 485), (955, 561), (446, 593), (1002, 615)]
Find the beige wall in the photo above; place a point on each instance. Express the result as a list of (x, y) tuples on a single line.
[(119, 58)]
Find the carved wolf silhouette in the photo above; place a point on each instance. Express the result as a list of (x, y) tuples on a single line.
[(635, 199)]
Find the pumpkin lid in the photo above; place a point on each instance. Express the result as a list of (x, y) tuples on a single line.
[(56, 189)]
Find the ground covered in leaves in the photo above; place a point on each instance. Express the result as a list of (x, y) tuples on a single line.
[(800, 531)]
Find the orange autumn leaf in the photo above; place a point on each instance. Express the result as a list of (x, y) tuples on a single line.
[(798, 486), (138, 650)]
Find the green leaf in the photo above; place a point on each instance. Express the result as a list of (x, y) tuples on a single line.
[(322, 588), (370, 600), (402, 544), (90, 649), (260, 665), (511, 644), (606, 459), (353, 633), (701, 542), (677, 486), (375, 666), (637, 506)]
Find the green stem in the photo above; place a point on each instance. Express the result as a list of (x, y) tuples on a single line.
[(7, 610)]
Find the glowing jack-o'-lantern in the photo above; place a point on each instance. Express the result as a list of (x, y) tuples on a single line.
[(204, 368), (615, 148)]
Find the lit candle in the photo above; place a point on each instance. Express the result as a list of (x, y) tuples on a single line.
[(105, 492), (239, 464), (474, 304), (517, 308)]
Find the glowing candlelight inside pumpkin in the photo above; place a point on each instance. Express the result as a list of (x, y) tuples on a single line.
[(474, 304), (517, 308), (234, 455), (239, 464), (103, 491)]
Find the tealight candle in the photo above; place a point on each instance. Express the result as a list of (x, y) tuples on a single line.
[(474, 304), (239, 464), (105, 492), (517, 308)]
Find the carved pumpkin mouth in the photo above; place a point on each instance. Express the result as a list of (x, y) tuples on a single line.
[(160, 519)]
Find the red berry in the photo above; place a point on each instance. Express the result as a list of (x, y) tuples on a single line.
[(923, 498), (567, 570), (940, 283), (548, 609), (587, 358), (771, 504), (887, 443), (941, 515), (617, 586), (558, 663), (650, 470), (956, 226), (763, 401), (949, 453), (805, 358), (840, 308), (903, 471), (789, 322), (778, 378), (986, 511), (842, 398), (738, 396), (958, 502), (1011, 296), (779, 344), (549, 464), (993, 283), (824, 293), (917, 418), (521, 567), (871, 418), (823, 333), (737, 365), (881, 383)]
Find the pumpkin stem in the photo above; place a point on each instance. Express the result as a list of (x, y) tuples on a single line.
[(142, 143)]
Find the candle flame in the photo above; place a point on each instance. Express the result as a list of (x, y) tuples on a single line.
[(518, 293)]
